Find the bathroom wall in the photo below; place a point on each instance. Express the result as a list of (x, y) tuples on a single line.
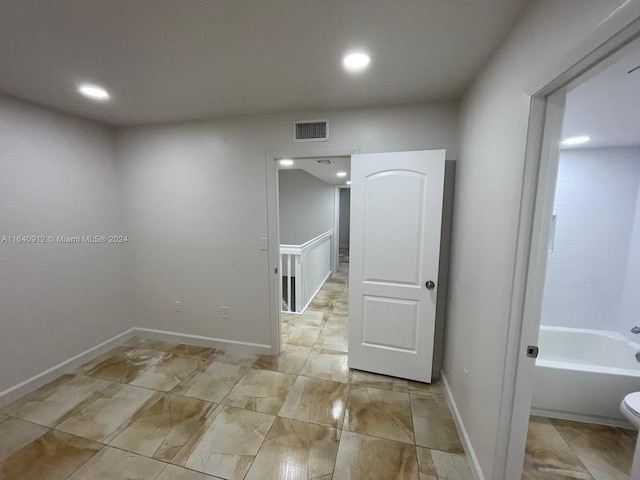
[(595, 206), (630, 306)]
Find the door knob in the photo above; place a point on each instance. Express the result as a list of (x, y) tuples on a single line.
[(430, 285)]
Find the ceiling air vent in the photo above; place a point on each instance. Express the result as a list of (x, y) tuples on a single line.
[(325, 161), (311, 131)]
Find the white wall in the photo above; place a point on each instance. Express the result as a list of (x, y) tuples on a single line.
[(58, 176), (306, 204), (195, 197), (595, 204), (547, 40), (345, 217), (630, 308)]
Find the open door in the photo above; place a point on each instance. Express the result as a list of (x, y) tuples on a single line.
[(396, 216)]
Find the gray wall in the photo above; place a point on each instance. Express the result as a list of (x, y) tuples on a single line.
[(306, 206), (547, 40), (58, 176), (344, 217)]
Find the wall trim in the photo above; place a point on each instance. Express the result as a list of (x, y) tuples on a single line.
[(29, 385), (462, 431), (577, 417), (66, 366)]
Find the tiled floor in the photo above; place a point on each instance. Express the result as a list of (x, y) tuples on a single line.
[(157, 410)]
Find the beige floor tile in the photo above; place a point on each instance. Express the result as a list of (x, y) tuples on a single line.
[(193, 351), (433, 425), (316, 401), (173, 472), (529, 474), (341, 308), (371, 458), (165, 427), (90, 365), (290, 360), (53, 456), (50, 406), (15, 434), (159, 345), (109, 414), (114, 464), (190, 379), (547, 451), (296, 450), (261, 391), (303, 335), (335, 320), (310, 318), (126, 365), (436, 386), (41, 392), (606, 452), (216, 381), (450, 466), (236, 357), (368, 379), (333, 339), (426, 467), (380, 413), (227, 443), (328, 365), (167, 373)]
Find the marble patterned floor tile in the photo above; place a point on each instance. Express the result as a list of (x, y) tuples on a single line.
[(311, 318), (190, 379), (529, 474), (433, 424), (204, 353), (606, 452), (316, 401), (451, 466), (216, 381), (41, 392), (363, 457), (50, 406), (380, 413), (236, 357), (303, 335), (290, 360), (227, 443), (111, 413), (341, 308), (296, 450), (173, 472), (114, 464), (52, 456), (165, 427), (328, 365), (436, 386), (15, 434), (159, 345), (126, 365), (426, 467), (547, 451), (167, 373), (368, 379), (333, 339), (261, 391), (335, 320), (91, 364)]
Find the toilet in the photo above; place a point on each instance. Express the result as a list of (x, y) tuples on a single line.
[(630, 408)]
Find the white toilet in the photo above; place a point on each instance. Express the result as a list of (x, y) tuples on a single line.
[(630, 408)]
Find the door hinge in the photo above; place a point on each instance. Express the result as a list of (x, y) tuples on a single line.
[(532, 351)]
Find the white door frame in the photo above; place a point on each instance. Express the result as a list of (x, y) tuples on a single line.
[(273, 229), (539, 182)]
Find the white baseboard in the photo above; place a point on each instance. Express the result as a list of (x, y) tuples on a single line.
[(13, 393), (462, 431), (614, 422)]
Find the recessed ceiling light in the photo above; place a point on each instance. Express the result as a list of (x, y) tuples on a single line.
[(356, 61), (348, 182), (286, 162), (94, 91), (341, 174), (575, 140)]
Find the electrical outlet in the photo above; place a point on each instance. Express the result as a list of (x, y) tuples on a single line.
[(224, 313), (178, 306)]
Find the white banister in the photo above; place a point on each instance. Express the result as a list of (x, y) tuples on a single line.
[(310, 265)]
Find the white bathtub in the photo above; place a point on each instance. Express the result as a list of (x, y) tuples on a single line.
[(584, 374)]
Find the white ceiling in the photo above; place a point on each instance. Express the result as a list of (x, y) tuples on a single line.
[(169, 60), (326, 173), (607, 106)]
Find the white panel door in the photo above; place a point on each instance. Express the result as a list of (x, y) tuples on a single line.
[(396, 215)]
